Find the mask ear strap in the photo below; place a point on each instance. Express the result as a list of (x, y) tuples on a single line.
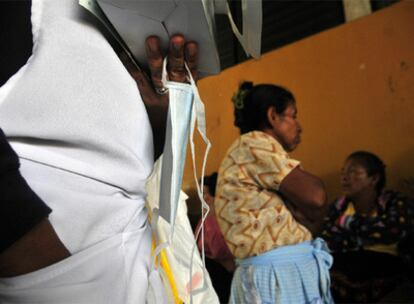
[(198, 114)]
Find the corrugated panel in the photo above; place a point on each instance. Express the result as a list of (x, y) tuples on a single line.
[(289, 21), (284, 22)]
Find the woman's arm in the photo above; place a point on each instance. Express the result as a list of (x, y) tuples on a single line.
[(315, 227), (306, 196)]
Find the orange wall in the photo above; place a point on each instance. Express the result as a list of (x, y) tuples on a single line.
[(354, 86)]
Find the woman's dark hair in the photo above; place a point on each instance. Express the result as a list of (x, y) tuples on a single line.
[(373, 164), (210, 182), (252, 102)]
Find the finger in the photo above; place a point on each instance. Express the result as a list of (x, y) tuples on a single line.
[(176, 69), (154, 55), (191, 57)]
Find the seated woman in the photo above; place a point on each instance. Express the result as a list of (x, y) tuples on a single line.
[(363, 229), (267, 206)]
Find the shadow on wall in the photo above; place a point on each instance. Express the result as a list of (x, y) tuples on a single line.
[(404, 182)]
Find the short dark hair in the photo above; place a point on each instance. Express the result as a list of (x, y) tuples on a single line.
[(373, 165), (251, 103), (210, 182)]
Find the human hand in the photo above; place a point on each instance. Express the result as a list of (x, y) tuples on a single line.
[(297, 213), (314, 226), (153, 93), (179, 52)]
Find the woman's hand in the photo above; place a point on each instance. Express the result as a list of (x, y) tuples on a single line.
[(314, 225), (151, 88)]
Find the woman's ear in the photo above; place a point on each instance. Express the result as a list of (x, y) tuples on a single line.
[(375, 179), (272, 116)]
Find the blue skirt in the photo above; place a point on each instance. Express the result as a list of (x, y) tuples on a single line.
[(290, 274)]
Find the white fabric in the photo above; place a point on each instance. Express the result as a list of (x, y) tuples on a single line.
[(109, 272), (76, 119), (180, 252), (75, 108)]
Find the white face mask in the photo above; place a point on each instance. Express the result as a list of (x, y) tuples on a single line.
[(185, 109), (178, 127)]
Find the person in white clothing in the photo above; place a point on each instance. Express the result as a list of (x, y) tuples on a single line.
[(86, 134)]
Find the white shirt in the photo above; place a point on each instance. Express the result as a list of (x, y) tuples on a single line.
[(75, 117)]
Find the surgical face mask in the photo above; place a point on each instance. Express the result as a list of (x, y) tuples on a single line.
[(185, 111), (178, 127)]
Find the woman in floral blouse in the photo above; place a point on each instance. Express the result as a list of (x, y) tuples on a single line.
[(268, 206), (364, 228)]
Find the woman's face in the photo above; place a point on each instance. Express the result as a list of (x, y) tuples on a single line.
[(286, 128), (355, 179)]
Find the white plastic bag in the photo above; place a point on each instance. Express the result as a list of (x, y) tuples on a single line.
[(174, 261)]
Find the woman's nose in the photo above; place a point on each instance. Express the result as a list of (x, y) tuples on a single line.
[(299, 127), (344, 177)]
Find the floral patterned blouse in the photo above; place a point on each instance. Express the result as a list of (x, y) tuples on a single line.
[(250, 212), (344, 230)]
